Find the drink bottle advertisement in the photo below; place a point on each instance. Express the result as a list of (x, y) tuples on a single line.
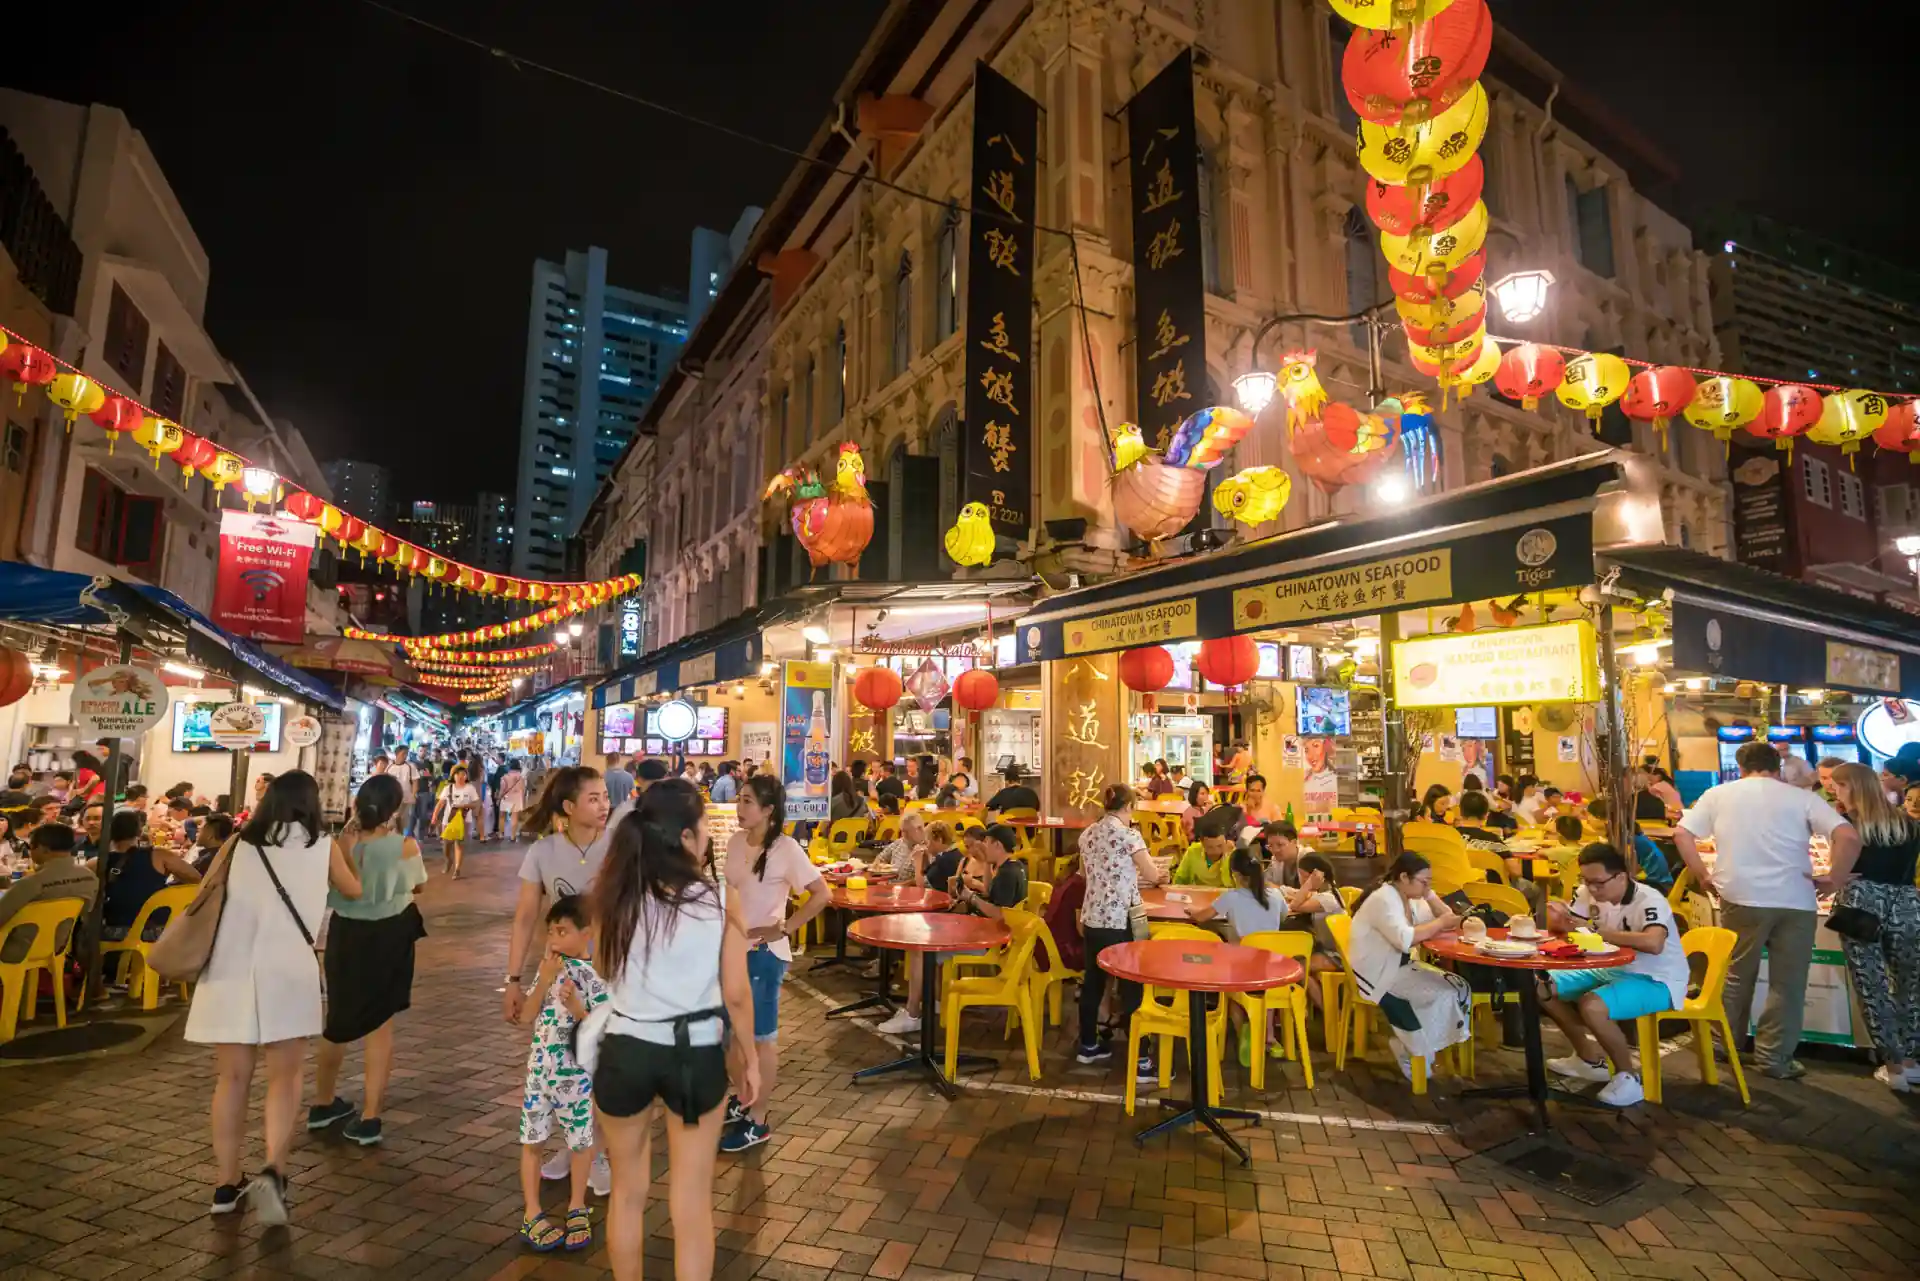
[(806, 740)]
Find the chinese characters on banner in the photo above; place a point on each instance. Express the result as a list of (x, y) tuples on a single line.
[(261, 591), (996, 456), (869, 737), (1086, 728), (1169, 279)]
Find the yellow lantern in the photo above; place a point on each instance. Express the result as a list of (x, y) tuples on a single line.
[(331, 517), (1593, 382), (1482, 370), (158, 436), (1447, 355), (1722, 404), (436, 568), (1416, 254), (489, 584), (1380, 15), (1847, 418), (369, 541), (1440, 311), (1416, 155), (76, 394), (465, 579), (225, 469)]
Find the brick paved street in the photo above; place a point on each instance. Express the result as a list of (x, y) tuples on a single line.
[(104, 1167)]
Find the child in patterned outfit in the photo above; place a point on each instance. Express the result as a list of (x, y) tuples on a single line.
[(558, 1089)]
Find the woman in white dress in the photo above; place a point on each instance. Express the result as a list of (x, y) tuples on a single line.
[(457, 816), (261, 987), (513, 799), (1427, 1008)]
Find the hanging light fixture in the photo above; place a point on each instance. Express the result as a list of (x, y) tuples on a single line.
[(1522, 295), (1255, 390)]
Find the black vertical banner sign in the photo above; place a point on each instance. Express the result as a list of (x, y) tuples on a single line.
[(1169, 279), (996, 451)]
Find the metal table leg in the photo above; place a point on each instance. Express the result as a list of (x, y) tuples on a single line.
[(882, 998), (1197, 1111), (927, 1059)]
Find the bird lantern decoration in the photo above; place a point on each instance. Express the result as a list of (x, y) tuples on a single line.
[(1656, 395), (976, 689), (971, 541), (1333, 444), (1228, 661), (1592, 382), (1847, 418), (834, 519), (1407, 74), (1721, 404), (117, 415), (1204, 438), (1786, 410), (75, 394), (25, 365), (1253, 495), (194, 453), (1155, 494), (1146, 671), (1901, 432), (225, 469)]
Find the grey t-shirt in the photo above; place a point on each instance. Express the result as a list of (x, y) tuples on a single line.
[(1244, 915), (560, 867)]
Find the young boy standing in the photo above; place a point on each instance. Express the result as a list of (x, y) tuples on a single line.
[(558, 1089)]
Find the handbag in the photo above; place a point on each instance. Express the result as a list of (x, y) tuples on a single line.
[(456, 827), (1855, 924), (186, 945)]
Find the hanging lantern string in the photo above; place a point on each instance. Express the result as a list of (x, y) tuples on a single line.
[(1704, 373)]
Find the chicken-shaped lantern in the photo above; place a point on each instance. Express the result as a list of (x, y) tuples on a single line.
[(834, 522), (971, 541), (1253, 496), (1155, 495), (1333, 443)]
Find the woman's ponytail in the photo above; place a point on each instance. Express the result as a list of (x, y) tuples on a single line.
[(562, 785), (1244, 865)]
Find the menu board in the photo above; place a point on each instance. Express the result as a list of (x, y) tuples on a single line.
[(617, 721), (1549, 664)]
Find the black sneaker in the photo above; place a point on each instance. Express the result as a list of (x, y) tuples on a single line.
[(226, 1199), (363, 1130), (1099, 1052), (1144, 1073), (269, 1193), (322, 1115), (736, 1111)]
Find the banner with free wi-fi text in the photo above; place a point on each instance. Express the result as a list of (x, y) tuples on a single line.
[(261, 590)]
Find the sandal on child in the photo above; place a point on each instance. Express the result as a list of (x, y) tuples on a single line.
[(579, 1228), (542, 1234)]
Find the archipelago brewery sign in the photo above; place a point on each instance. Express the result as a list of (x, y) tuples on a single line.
[(261, 592), (996, 454), (119, 701)]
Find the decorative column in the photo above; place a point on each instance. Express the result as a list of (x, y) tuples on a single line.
[(1085, 727)]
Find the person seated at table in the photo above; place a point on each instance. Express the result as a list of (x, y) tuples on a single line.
[(1911, 802), (1257, 808), (175, 817), (1530, 807), (949, 796), (907, 854), (1435, 805), (1159, 779), (1661, 784), (1648, 862), (1006, 879), (926, 778), (55, 874), (1205, 862), (1426, 1008), (1015, 795), (1199, 801), (963, 775), (134, 872), (1492, 818), (1473, 811), (1250, 907), (890, 784), (1590, 1005), (1281, 841), (847, 803), (1316, 898), (944, 862), (213, 832), (888, 803)]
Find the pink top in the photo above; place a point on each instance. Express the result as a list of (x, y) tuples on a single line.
[(1452, 947), (1200, 967), (889, 898), (763, 899), (1158, 909), (929, 932)]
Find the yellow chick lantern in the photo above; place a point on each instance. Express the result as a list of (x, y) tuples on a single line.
[(970, 541), (1255, 495), (1129, 447)]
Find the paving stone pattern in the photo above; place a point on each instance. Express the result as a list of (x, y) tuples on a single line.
[(104, 1167)]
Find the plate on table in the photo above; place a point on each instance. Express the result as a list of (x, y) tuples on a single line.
[(1506, 947)]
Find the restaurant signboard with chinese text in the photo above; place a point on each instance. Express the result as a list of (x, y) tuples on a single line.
[(996, 455), (1127, 628), (1553, 663), (1086, 734), (1169, 277), (1416, 578)]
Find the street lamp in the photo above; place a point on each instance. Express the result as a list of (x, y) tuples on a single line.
[(573, 629), (1522, 295), (560, 637), (1254, 390)]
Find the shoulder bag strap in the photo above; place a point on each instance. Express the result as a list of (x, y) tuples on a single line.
[(274, 876)]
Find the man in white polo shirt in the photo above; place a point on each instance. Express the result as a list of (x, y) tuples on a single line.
[(1763, 873), (409, 775)]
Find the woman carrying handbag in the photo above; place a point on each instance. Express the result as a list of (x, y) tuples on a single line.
[(457, 814)]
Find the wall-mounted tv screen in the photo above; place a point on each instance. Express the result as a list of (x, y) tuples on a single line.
[(1320, 711), (193, 733)]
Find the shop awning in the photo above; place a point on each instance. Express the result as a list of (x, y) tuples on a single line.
[(1751, 624), (729, 652), (525, 714), (1518, 534), (341, 654)]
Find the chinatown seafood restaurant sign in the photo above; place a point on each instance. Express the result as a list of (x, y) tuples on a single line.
[(117, 702), (1126, 628)]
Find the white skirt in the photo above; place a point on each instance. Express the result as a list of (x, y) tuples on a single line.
[(1440, 1003), (262, 983)]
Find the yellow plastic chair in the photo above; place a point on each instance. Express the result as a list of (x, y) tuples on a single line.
[(1047, 983), (887, 828), (1683, 884), (20, 980), (1353, 1017), (1169, 1022), (133, 948), (907, 807), (1705, 1012), (1039, 894), (1229, 793), (1444, 849), (1290, 1000), (845, 833), (1487, 861), (1501, 898), (1011, 989), (993, 959)]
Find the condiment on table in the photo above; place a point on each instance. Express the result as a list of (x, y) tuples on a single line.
[(1195, 967), (929, 934), (1452, 947), (876, 900)]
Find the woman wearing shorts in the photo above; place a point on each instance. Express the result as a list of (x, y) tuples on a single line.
[(673, 950), (765, 869)]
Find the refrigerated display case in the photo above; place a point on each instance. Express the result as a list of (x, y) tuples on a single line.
[(1183, 740), (1836, 741), (1731, 738)]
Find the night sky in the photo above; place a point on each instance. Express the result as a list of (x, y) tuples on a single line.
[(372, 195)]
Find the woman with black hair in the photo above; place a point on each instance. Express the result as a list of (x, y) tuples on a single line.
[(673, 949), (1426, 1008), (369, 957), (261, 987), (765, 869)]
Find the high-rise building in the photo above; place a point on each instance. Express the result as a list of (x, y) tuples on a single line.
[(595, 355), (493, 532), (359, 488), (714, 254)]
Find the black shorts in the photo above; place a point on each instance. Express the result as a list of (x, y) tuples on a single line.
[(633, 1073)]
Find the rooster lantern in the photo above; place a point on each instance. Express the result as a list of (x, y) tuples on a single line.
[(1333, 443), (832, 519), (1156, 494)]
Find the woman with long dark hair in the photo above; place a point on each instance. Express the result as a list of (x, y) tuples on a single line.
[(261, 987), (569, 823), (369, 957), (673, 949), (765, 869), (1426, 1007)]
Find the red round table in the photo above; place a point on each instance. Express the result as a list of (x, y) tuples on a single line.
[(877, 899), (1159, 909), (1451, 947), (884, 872), (929, 934), (1194, 966)]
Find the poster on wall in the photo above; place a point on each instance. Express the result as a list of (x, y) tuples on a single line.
[(1569, 749), (1291, 754), (1321, 791), (119, 701), (237, 726), (806, 739), (303, 731), (261, 591), (756, 740)]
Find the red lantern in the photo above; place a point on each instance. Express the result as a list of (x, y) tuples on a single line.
[(1786, 411), (1438, 281), (1468, 322), (389, 545), (1436, 206), (194, 453), (976, 690), (1146, 671), (1901, 431), (516, 589), (303, 506), (27, 366), (116, 416), (16, 675), (1228, 660), (1411, 73), (1528, 372), (877, 687), (1656, 395)]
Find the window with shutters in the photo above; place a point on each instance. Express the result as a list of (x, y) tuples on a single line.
[(14, 458), (1853, 496), (1338, 34), (946, 315), (1817, 481), (1892, 506), (837, 378), (1590, 221), (169, 398), (125, 346), (118, 527)]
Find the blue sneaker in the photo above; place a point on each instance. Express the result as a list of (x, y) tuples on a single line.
[(739, 1138)]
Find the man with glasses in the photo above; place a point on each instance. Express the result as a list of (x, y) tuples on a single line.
[(1590, 1005)]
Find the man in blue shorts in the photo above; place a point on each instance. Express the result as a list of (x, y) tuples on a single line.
[(1589, 1005)]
